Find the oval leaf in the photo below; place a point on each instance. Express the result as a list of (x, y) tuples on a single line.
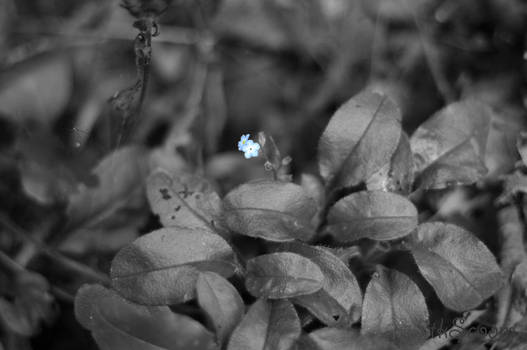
[(221, 302), (460, 268), (340, 299), (343, 339), (272, 210), (116, 323), (449, 147), (282, 275), (376, 215), (187, 201), (365, 127), (162, 267), (268, 325), (394, 308)]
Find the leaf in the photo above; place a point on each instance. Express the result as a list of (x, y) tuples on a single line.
[(394, 308), (186, 200), (221, 302), (282, 275), (372, 214), (120, 178), (116, 323), (31, 305), (460, 268), (359, 140), (398, 174), (268, 325), (272, 210), (340, 299), (162, 267), (347, 339), (449, 147), (25, 93)]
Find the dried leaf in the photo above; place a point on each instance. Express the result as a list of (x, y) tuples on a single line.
[(187, 201), (162, 267), (282, 275), (268, 325), (372, 214)]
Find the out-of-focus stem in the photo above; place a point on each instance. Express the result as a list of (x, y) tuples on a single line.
[(64, 261)]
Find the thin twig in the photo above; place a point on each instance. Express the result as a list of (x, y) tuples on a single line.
[(16, 268), (55, 255), (9, 263), (193, 105), (512, 252), (171, 35)]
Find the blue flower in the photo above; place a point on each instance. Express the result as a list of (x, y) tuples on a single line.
[(243, 142), (251, 149)]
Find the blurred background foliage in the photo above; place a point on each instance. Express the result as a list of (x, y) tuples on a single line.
[(220, 69)]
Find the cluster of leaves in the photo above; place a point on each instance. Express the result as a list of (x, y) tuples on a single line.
[(337, 261), (196, 283)]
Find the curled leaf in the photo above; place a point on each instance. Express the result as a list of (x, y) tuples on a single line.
[(162, 267), (282, 275), (372, 214), (272, 210)]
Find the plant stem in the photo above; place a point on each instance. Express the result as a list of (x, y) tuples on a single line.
[(66, 262), (512, 253)]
